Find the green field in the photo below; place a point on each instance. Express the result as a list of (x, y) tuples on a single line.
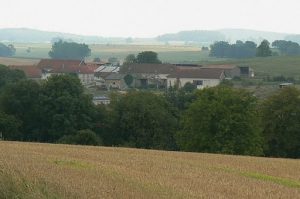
[(272, 66), (30, 171), (167, 53)]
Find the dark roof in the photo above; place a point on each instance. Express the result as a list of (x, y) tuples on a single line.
[(223, 66), (31, 71), (205, 73), (115, 76), (148, 68)]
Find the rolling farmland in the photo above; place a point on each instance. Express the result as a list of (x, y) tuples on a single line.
[(29, 170)]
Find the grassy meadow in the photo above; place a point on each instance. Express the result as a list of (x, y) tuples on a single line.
[(31, 170), (167, 53)]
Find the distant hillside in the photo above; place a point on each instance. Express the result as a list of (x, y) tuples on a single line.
[(201, 36), (252, 35), (231, 35), (206, 37), (37, 36)]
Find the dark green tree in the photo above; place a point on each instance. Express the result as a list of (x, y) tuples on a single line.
[(9, 127), (69, 50), (148, 57), (21, 100), (221, 120), (281, 123), (180, 98), (8, 76), (263, 50), (65, 108), (287, 47), (144, 120), (128, 80), (130, 59), (82, 137)]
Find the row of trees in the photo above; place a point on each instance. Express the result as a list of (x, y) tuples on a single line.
[(7, 51), (145, 57), (215, 120), (287, 47), (240, 49)]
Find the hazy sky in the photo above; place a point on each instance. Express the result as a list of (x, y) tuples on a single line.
[(144, 18)]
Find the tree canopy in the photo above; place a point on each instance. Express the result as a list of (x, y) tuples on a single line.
[(287, 47), (240, 49), (147, 57), (7, 51), (281, 123), (144, 120), (69, 50), (221, 120), (263, 50)]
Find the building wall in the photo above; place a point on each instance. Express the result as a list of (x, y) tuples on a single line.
[(115, 84), (183, 81), (86, 78)]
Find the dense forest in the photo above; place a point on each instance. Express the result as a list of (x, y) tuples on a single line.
[(222, 119)]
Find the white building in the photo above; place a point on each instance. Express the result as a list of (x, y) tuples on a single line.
[(201, 77)]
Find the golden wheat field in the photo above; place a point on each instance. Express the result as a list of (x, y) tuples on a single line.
[(30, 170)]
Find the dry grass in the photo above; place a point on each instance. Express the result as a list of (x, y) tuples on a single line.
[(18, 61), (60, 171)]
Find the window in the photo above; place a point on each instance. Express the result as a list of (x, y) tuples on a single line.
[(198, 82)]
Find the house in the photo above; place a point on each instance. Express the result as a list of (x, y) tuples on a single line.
[(57, 67), (201, 77), (103, 71), (148, 74), (283, 85), (115, 81), (31, 71), (101, 100)]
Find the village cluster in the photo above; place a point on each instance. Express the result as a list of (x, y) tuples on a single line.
[(107, 76)]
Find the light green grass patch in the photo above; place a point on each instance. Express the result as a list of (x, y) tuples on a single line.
[(281, 181), (259, 176)]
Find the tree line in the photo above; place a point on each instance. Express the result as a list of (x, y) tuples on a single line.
[(240, 49), (222, 119), (7, 50), (250, 49)]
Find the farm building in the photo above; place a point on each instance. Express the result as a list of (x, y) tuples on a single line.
[(57, 67), (201, 77)]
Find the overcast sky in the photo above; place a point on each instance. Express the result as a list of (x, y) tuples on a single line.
[(147, 18)]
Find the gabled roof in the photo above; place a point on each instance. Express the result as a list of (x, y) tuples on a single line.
[(204, 73), (55, 63), (148, 68), (107, 69), (221, 66), (115, 76), (31, 71), (65, 66)]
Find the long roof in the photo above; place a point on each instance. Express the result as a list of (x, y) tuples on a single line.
[(148, 68), (48, 63), (65, 66), (205, 73), (31, 71)]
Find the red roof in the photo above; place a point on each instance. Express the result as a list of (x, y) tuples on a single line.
[(31, 71), (49, 63), (65, 66)]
